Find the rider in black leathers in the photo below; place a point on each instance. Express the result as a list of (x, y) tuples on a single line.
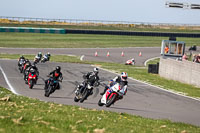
[(91, 78), (56, 75)]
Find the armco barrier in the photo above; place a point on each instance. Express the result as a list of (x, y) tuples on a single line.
[(72, 31), (32, 30), (183, 71)]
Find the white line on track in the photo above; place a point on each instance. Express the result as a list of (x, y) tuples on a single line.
[(145, 63), (7, 81), (82, 57)]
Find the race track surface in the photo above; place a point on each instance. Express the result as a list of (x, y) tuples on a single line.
[(141, 99), (89, 53)]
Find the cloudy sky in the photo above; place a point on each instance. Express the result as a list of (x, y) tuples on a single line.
[(153, 11)]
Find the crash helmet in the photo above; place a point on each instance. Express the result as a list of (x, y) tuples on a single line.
[(48, 54), (27, 60), (124, 76), (32, 70), (40, 54), (96, 70), (58, 68), (22, 57)]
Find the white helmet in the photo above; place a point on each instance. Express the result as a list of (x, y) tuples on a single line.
[(96, 70), (124, 76)]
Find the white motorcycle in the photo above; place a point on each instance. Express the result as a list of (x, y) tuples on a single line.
[(111, 96)]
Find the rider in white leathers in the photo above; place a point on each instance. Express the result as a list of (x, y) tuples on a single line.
[(122, 80)]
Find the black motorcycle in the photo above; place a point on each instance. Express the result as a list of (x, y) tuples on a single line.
[(83, 91), (52, 85), (21, 65)]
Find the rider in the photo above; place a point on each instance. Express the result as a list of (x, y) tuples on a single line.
[(21, 60), (122, 80), (91, 78), (38, 56), (26, 65), (56, 75), (34, 69), (47, 56)]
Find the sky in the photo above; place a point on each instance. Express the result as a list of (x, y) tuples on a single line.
[(150, 11)]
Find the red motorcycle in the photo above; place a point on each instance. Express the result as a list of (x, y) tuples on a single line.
[(111, 96), (32, 79)]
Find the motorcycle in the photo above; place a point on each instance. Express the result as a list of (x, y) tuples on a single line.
[(45, 59), (111, 96), (51, 86), (83, 91), (21, 65), (32, 80), (130, 62), (36, 60)]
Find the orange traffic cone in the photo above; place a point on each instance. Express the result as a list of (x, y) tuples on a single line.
[(108, 54), (140, 54), (96, 54), (122, 53)]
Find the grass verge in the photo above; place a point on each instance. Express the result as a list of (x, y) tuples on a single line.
[(38, 40), (21, 114)]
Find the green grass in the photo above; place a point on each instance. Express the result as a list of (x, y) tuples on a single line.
[(21, 114), (38, 40), (134, 72)]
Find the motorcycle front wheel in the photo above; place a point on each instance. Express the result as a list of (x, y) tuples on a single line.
[(31, 84), (48, 91), (110, 101)]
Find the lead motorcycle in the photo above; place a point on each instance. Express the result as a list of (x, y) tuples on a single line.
[(21, 65), (83, 91), (51, 86), (111, 96)]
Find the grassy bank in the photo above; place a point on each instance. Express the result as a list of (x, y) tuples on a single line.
[(38, 40), (21, 114), (134, 72)]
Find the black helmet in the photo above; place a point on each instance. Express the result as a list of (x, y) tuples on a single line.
[(27, 60), (48, 54), (58, 68)]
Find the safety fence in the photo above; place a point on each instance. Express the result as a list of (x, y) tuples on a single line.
[(46, 21), (70, 31)]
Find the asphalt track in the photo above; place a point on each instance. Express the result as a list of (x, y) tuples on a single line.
[(89, 53), (141, 99)]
